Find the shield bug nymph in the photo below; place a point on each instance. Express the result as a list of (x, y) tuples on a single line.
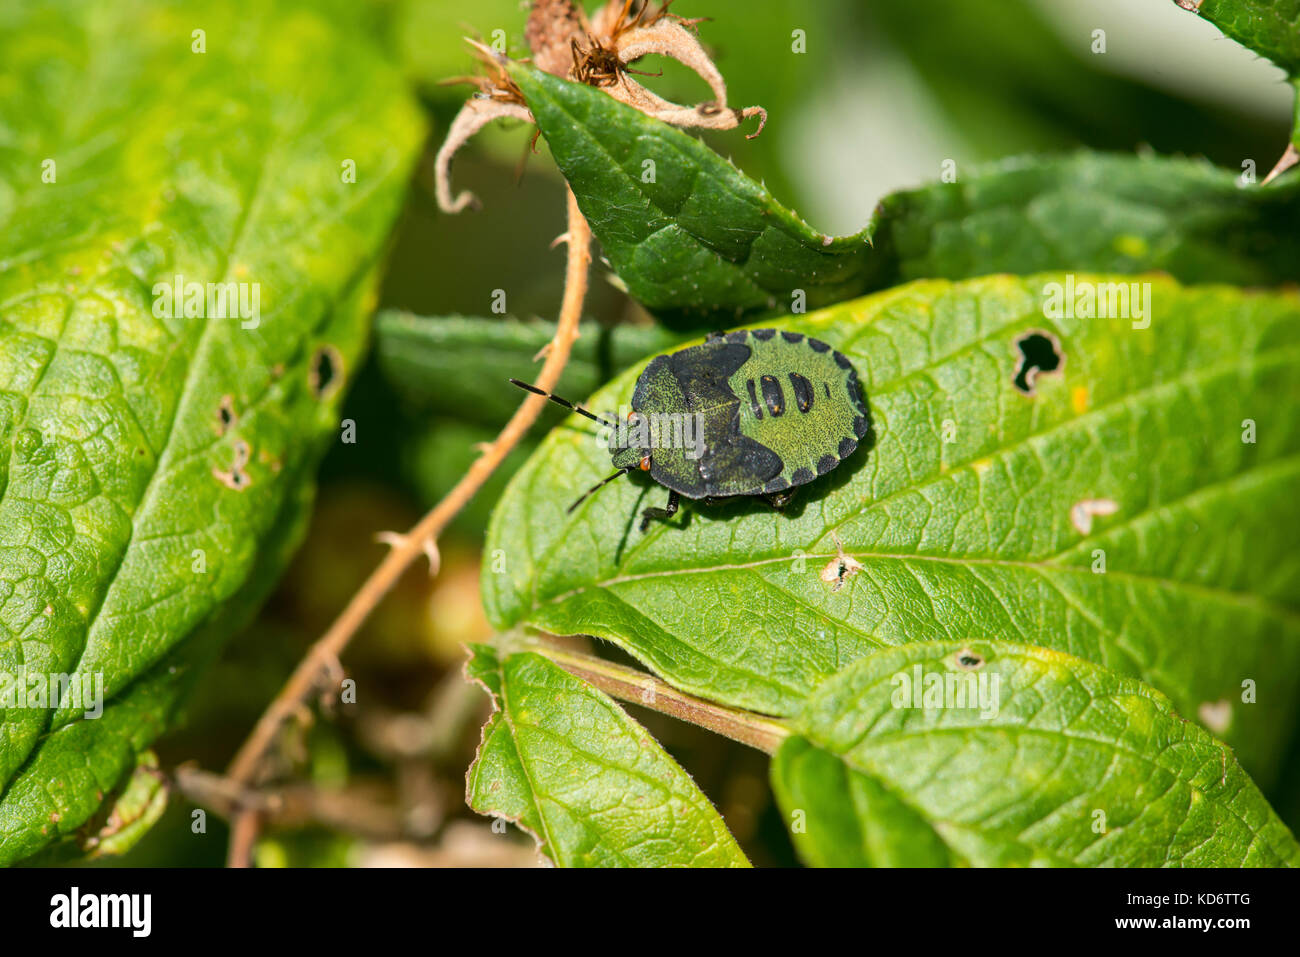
[(773, 410)]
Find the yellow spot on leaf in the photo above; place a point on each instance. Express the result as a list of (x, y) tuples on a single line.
[(1079, 399)]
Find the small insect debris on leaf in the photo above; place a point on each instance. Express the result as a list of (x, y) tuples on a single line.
[(841, 569), (1081, 513)]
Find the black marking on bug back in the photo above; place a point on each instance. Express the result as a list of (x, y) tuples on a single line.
[(773, 397), (818, 345), (801, 476), (847, 448), (803, 392), (777, 484), (730, 455), (792, 336), (761, 334), (826, 463), (701, 373)]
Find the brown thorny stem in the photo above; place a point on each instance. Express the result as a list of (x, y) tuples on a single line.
[(323, 656), (596, 51)]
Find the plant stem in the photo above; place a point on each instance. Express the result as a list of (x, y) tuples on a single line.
[(637, 687), (243, 835), (365, 812), (323, 655)]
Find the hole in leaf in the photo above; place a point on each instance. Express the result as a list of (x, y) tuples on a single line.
[(225, 414), (1040, 352), (236, 478), (326, 372), (968, 660)]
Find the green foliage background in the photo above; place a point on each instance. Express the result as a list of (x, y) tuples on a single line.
[(226, 164)]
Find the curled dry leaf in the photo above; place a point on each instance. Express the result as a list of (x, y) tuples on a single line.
[(597, 52)]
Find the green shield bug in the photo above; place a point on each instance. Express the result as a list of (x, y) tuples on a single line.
[(757, 412)]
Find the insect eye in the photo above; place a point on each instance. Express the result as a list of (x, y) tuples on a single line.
[(645, 463)]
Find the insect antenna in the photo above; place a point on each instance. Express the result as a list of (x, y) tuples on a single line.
[(564, 402), (599, 485)]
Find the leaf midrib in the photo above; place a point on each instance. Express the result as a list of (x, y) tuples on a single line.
[(1278, 356), (1220, 594)]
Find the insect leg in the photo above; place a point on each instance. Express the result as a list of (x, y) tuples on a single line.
[(779, 499), (661, 513)]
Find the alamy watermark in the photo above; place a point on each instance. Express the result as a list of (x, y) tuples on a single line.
[(82, 692), (133, 912), (212, 300), (1098, 300), (923, 689), (657, 430)]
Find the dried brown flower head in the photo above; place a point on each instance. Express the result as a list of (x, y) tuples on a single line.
[(598, 52)]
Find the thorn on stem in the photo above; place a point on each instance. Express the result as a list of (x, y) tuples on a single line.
[(1290, 158), (430, 547)]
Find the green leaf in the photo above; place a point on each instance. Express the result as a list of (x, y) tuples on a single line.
[(134, 812), (698, 241), (458, 366), (702, 244), (1009, 80), (1269, 27), (996, 754), (565, 762), (1096, 213), (155, 469), (960, 516), (1295, 123)]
